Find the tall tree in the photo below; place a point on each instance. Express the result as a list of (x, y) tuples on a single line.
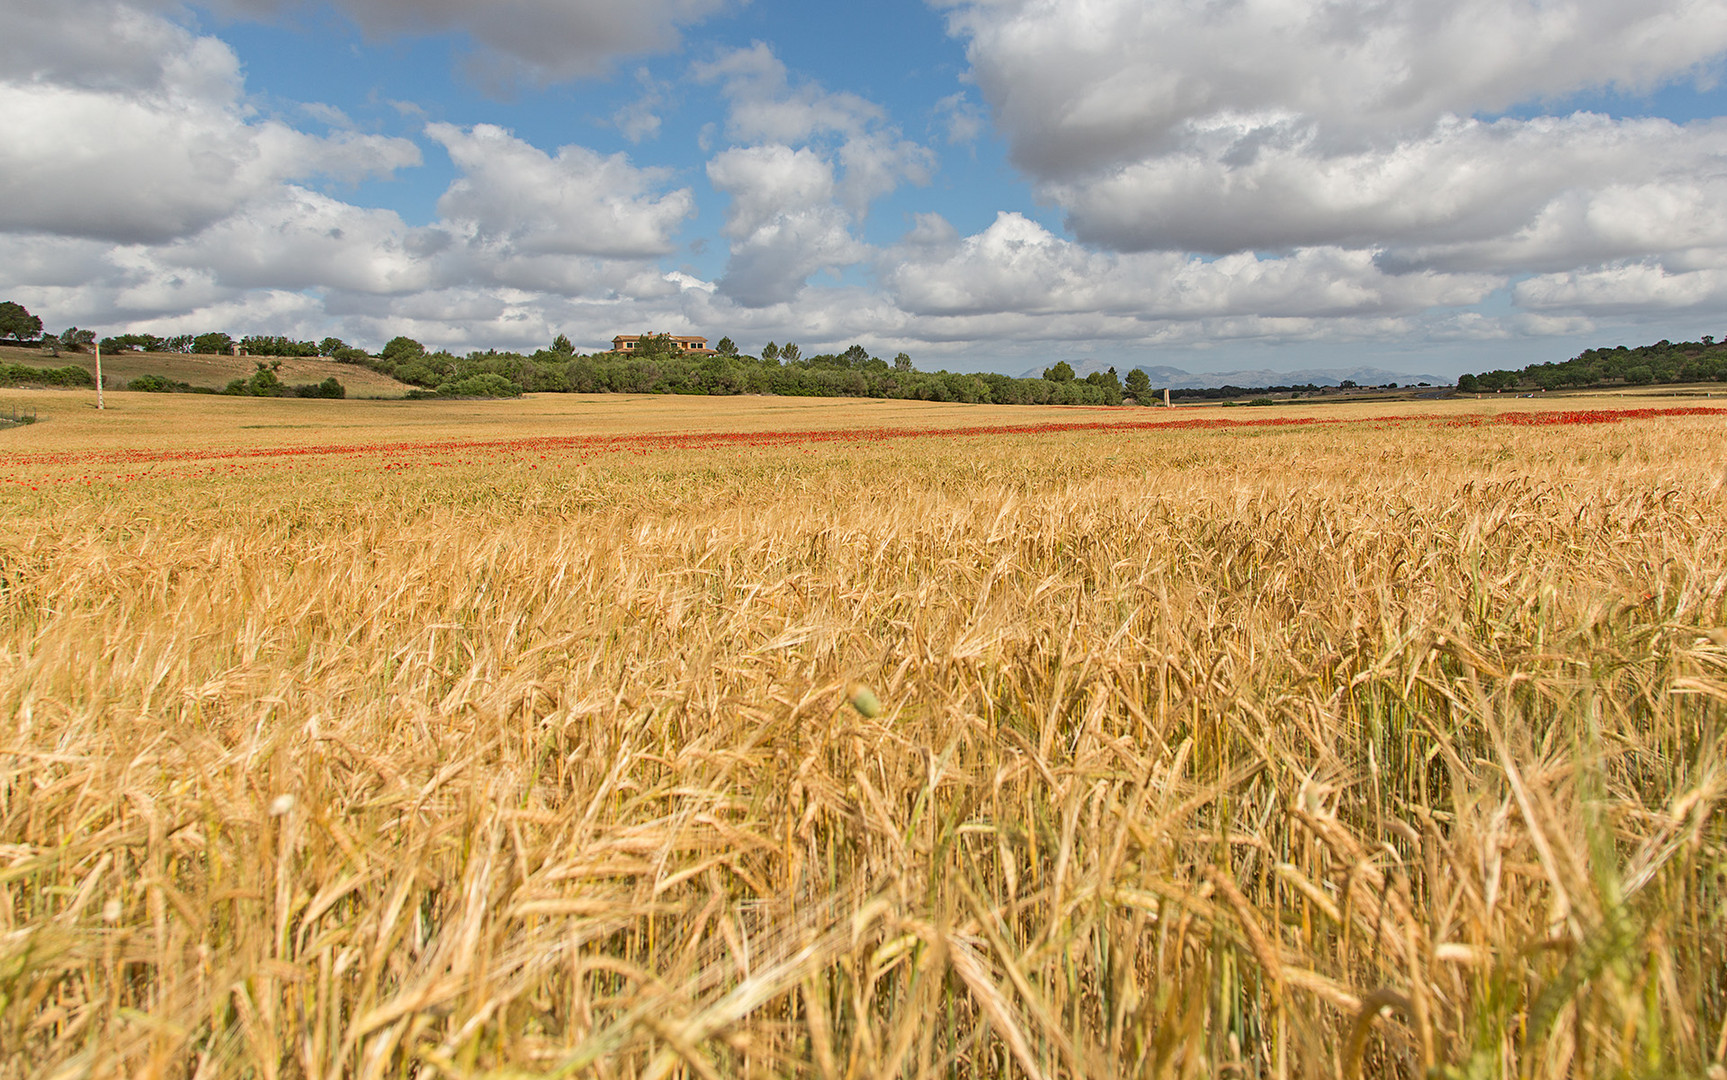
[(214, 343), (655, 347), (1104, 378), (402, 348), (17, 323)]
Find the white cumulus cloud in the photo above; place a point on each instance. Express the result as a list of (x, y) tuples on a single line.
[(301, 239), (1624, 289), (814, 162), (576, 202), (1017, 266), (156, 144), (1084, 85), (1409, 130), (783, 222)]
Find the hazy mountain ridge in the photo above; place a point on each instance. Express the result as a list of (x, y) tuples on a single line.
[(1177, 379)]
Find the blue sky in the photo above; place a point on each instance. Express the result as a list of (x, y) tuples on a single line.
[(986, 184)]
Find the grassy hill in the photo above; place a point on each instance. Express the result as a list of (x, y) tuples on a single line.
[(214, 371)]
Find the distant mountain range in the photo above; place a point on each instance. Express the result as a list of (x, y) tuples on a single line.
[(1177, 379)]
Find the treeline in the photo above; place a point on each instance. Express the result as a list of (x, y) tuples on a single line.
[(1230, 392), (658, 367), (217, 343), (1645, 365), (19, 327)]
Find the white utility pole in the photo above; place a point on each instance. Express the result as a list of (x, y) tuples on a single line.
[(99, 374)]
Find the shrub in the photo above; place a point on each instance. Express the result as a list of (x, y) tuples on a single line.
[(486, 385), (263, 383), (24, 375), (329, 388), (159, 384), (417, 372)]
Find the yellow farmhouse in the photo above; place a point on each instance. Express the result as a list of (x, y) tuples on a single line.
[(696, 346)]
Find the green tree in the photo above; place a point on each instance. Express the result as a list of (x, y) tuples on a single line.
[(726, 347), (330, 346), (1105, 379), (416, 371), (120, 343), (398, 349), (76, 340), (902, 362), (771, 353), (1468, 384), (484, 385), (790, 353), (17, 323), (214, 343), (1061, 372), (1138, 384), (329, 388), (561, 345), (263, 383), (655, 347)]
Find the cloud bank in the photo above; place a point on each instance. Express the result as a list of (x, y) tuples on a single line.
[(1367, 125), (1275, 171)]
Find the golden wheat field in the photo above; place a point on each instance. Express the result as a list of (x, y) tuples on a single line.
[(588, 737)]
